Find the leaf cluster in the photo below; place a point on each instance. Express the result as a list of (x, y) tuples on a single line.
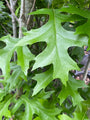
[(41, 85)]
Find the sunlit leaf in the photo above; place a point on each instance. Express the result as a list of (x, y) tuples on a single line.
[(4, 111), (58, 41), (64, 117), (24, 56)]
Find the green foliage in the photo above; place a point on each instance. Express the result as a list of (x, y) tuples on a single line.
[(35, 107), (58, 3), (5, 21), (71, 90), (6, 54), (58, 41), (1, 5), (26, 55), (83, 29), (42, 77), (64, 117), (4, 111), (40, 85)]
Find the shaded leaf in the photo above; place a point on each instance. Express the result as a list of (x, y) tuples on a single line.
[(16, 106), (80, 116), (43, 80), (15, 79), (33, 106), (72, 90), (75, 10), (85, 28), (79, 54), (44, 95), (2, 44)]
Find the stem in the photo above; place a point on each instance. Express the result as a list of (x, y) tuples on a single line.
[(86, 68), (13, 19), (28, 20), (4, 29), (22, 18), (21, 24), (12, 5), (12, 11)]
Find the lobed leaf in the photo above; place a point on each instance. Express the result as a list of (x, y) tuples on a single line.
[(85, 28), (23, 54), (72, 90), (64, 117), (4, 111), (33, 106), (58, 41), (43, 80), (6, 54)]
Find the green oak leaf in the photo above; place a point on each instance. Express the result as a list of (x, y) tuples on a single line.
[(75, 10), (57, 3), (2, 94), (78, 55), (86, 103), (34, 106), (45, 95), (85, 28), (64, 117), (24, 56), (72, 90), (6, 53), (77, 116), (23, 53), (80, 116), (43, 79), (58, 41), (18, 103), (4, 111), (14, 81), (16, 78), (37, 118), (78, 3), (17, 110)]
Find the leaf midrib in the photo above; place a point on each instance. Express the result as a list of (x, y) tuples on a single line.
[(54, 25)]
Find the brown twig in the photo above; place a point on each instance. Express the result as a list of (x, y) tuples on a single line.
[(28, 20), (86, 68), (4, 29), (12, 11)]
